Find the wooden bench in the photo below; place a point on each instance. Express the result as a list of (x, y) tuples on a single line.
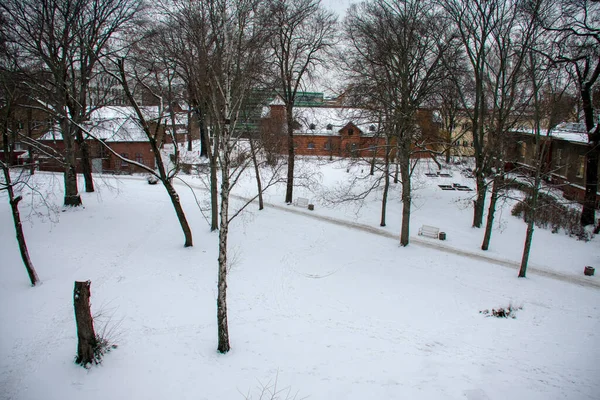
[(301, 202), (430, 231)]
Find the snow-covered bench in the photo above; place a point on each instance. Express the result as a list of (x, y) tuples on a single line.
[(301, 202), (430, 231)]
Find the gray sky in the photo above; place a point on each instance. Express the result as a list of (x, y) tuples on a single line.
[(338, 6)]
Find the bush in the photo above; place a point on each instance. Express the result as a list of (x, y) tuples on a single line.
[(502, 312), (550, 214)]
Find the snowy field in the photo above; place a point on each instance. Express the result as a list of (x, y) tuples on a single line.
[(329, 311)]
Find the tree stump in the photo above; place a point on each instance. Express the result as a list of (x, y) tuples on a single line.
[(589, 271), (311, 207), (86, 336), (442, 236)]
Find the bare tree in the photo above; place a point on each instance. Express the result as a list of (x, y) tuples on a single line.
[(302, 32), (11, 186), (153, 127), (547, 82), (398, 50), (507, 96), (234, 44), (475, 22), (184, 32), (65, 39), (577, 23)]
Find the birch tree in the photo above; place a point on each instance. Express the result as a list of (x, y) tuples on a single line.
[(233, 41)]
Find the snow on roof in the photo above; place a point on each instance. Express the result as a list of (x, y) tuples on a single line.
[(568, 131), (118, 124), (329, 120)]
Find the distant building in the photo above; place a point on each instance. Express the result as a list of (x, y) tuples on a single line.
[(118, 127), (564, 166)]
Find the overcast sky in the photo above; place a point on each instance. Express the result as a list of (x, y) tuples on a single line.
[(338, 6)]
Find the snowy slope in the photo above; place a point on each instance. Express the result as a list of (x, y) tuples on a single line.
[(332, 312)]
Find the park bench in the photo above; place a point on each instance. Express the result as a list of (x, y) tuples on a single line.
[(301, 202), (430, 231)]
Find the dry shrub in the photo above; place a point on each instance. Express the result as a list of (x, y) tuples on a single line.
[(549, 213), (502, 312)]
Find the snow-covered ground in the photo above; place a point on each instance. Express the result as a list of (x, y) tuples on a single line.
[(330, 311)]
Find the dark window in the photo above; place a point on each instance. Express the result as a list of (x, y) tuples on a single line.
[(311, 145), (329, 127), (350, 132), (124, 155), (372, 148), (327, 146), (312, 126), (372, 128), (139, 158)]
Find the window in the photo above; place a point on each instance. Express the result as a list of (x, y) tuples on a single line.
[(312, 127), (372, 128), (139, 158), (327, 145), (558, 158), (523, 150), (295, 145), (123, 163), (372, 148), (581, 167), (350, 132), (465, 143), (329, 127), (311, 145)]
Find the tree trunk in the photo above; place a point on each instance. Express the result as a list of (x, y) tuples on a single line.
[(397, 168), (257, 172), (386, 183), (72, 197), (14, 205), (214, 190), (87, 342), (204, 142), (86, 161), (588, 213), (526, 248), (491, 213), (222, 326), (479, 202), (406, 201), (289, 191), (373, 160), (185, 226)]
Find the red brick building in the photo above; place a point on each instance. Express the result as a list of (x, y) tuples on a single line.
[(118, 128), (333, 131)]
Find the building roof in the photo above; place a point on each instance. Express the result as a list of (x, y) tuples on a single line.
[(330, 120), (568, 131), (118, 124)]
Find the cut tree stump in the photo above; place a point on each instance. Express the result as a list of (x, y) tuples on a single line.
[(86, 336), (589, 271)]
